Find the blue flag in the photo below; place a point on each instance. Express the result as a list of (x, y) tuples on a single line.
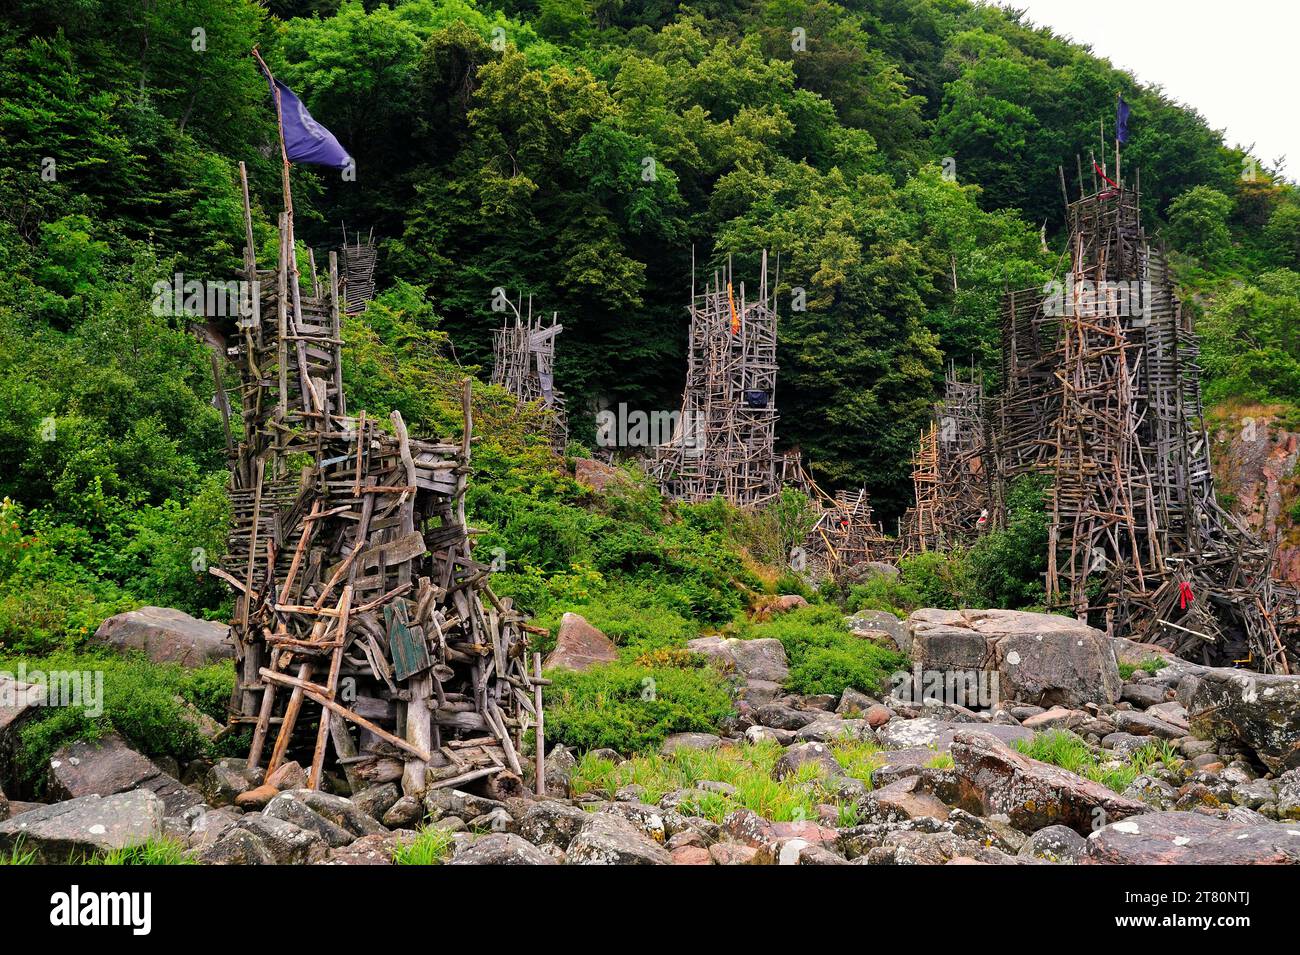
[(1121, 121), (306, 140)]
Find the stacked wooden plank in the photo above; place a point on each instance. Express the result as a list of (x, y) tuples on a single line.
[(845, 534), (370, 644), (359, 260)]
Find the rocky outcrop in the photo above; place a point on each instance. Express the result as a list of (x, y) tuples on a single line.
[(607, 839), (993, 779), (1039, 658), (167, 636), (882, 627), (759, 667), (1193, 838), (1256, 710), (579, 646), (79, 828), (1253, 459), (107, 766)]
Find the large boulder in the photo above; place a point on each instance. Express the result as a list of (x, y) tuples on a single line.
[(107, 766), (1039, 658), (263, 840), (579, 646), (881, 626), (167, 636), (937, 735), (78, 828), (763, 659), (1258, 710), (1193, 838), (607, 839), (994, 779), (20, 701)]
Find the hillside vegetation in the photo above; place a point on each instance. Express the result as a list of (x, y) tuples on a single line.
[(903, 163)]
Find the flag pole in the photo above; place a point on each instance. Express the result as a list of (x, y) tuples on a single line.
[(307, 399), (1118, 178)]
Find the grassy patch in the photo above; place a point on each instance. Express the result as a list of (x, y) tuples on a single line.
[(18, 856), (153, 852), (1149, 665), (1072, 753), (748, 768), (142, 701), (430, 847)]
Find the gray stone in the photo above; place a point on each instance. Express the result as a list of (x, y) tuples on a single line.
[(551, 822), (762, 659), (606, 839), (852, 701), (1042, 659), (938, 734), (688, 741), (228, 778), (831, 728), (106, 766), (167, 636), (799, 754), (1141, 724), (258, 839), (1033, 795), (406, 812), (375, 801), (1259, 711), (1058, 844), (881, 626), (287, 808), (1143, 695), (1193, 838), (68, 831)]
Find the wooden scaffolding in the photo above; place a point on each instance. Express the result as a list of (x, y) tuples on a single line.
[(358, 272), (723, 442), (369, 642), (524, 364), (1101, 390), (952, 479)]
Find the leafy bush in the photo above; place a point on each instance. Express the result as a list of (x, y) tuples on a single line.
[(632, 708), (1006, 567), (143, 702), (824, 656)]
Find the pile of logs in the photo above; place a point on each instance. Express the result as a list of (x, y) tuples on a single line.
[(370, 643)]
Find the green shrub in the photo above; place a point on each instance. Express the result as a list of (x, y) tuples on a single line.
[(1005, 567), (143, 702), (824, 656), (632, 708)]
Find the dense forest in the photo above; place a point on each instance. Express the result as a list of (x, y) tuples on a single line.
[(901, 156)]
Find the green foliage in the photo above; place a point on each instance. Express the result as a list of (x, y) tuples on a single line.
[(824, 656), (1198, 222), (1070, 752), (146, 703), (632, 708), (748, 768), (152, 852), (1006, 567), (1149, 665), (1251, 348)]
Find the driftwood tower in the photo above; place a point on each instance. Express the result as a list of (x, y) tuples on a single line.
[(723, 444), (1101, 390), (369, 643), (524, 364)]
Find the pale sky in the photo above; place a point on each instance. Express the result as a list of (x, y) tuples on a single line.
[(1237, 62)]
